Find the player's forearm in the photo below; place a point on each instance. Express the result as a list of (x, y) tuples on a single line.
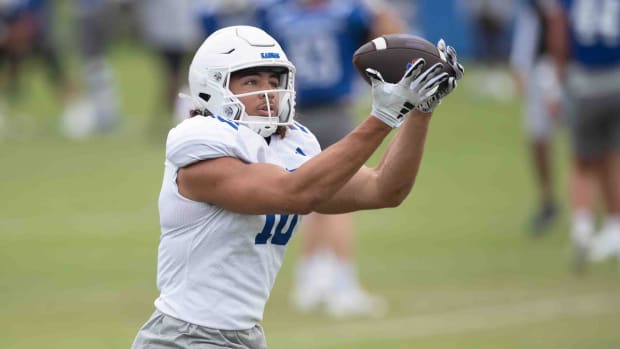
[(399, 166), (321, 177)]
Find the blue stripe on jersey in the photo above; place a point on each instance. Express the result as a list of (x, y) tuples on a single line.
[(303, 129), (226, 121), (300, 151), (595, 31)]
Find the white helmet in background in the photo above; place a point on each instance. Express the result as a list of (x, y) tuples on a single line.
[(234, 49)]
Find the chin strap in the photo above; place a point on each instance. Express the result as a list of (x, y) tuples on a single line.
[(263, 130), (258, 125)]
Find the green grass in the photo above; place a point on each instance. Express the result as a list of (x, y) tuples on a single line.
[(79, 234)]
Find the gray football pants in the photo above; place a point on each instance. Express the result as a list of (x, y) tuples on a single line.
[(165, 332)]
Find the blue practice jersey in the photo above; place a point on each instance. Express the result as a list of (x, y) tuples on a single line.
[(216, 15), (320, 41), (12, 9), (594, 31)]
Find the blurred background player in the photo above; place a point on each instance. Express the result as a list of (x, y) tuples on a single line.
[(28, 31), (224, 13), (536, 82), (491, 23), (16, 36), (320, 37), (172, 31), (408, 12), (213, 15), (585, 41), (32, 32), (96, 110)]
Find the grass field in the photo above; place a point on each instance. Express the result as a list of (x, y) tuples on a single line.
[(79, 233)]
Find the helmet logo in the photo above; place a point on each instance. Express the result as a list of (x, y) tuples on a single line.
[(217, 76), (266, 55)]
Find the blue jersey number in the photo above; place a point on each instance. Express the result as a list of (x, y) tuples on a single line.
[(316, 59), (280, 236)]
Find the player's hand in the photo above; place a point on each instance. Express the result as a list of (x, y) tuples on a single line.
[(391, 102), (449, 54)]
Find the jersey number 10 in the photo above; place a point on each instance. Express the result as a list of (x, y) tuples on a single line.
[(280, 236)]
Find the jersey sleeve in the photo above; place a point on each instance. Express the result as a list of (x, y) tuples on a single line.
[(202, 138)]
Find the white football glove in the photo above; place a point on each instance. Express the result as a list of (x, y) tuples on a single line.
[(391, 102), (448, 53)]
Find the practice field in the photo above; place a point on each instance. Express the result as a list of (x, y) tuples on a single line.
[(79, 234)]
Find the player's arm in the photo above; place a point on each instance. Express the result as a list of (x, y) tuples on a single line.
[(524, 44), (263, 188), (389, 183), (558, 38)]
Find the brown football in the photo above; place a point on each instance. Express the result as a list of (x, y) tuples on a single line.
[(390, 54)]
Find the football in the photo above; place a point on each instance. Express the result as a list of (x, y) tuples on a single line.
[(390, 54)]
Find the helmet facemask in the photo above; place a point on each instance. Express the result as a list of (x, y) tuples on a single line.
[(268, 108)]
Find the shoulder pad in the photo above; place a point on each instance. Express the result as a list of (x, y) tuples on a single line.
[(200, 138)]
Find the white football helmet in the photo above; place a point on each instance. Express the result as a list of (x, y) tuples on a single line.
[(238, 48)]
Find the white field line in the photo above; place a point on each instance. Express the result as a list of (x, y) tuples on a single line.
[(473, 319)]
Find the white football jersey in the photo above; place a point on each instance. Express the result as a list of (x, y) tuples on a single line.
[(215, 267)]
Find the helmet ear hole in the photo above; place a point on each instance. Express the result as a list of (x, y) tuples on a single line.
[(204, 96)]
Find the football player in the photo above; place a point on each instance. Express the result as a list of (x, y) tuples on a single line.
[(171, 30), (97, 109), (320, 37), (536, 81), (586, 48), (241, 173)]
